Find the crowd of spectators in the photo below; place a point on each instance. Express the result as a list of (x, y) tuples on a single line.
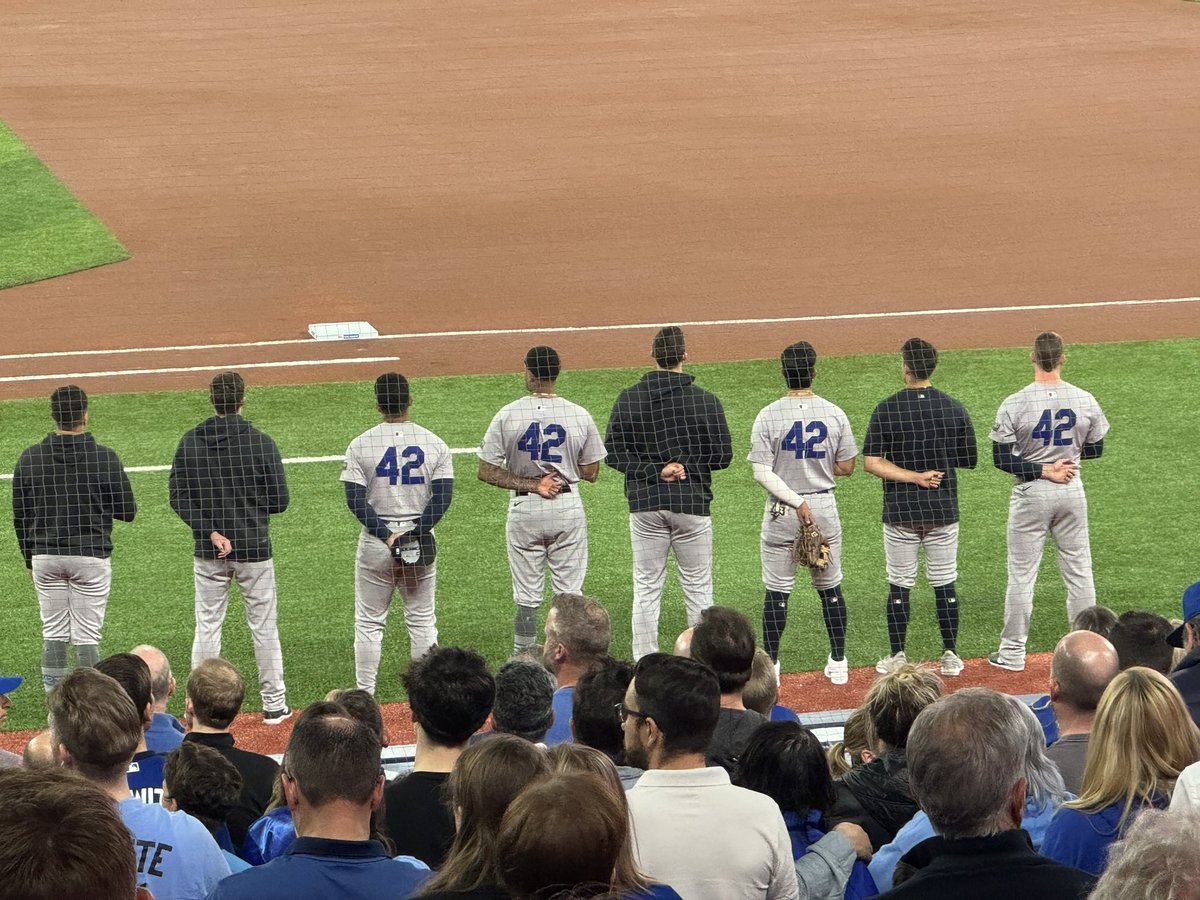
[(570, 774)]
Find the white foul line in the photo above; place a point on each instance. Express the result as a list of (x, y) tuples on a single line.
[(289, 461), (580, 329), (212, 368)]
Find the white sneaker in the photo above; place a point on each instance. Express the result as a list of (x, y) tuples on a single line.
[(837, 671), (888, 663), (1000, 663), (952, 664)]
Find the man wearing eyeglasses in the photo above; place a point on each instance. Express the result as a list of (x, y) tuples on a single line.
[(333, 783), (693, 829)]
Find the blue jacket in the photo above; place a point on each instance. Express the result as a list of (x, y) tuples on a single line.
[(560, 729), (883, 864), (269, 837), (806, 832), (1081, 839), (165, 733), (317, 868)]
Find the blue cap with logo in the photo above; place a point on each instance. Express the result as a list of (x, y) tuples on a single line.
[(1191, 609)]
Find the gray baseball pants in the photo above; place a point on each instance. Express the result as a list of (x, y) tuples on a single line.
[(377, 577), (1035, 510), (779, 533), (72, 598), (256, 581), (655, 534), (546, 534), (901, 546)]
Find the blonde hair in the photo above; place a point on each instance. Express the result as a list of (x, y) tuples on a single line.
[(1142, 738), (896, 699), (762, 690), (574, 759), (858, 737)]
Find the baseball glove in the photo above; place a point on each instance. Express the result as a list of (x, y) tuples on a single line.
[(810, 548)]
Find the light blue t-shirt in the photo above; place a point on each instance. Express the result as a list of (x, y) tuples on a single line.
[(560, 728), (177, 858)]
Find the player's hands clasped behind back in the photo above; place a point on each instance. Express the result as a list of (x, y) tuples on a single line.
[(550, 485), (1060, 471), (221, 543), (931, 479), (673, 471)]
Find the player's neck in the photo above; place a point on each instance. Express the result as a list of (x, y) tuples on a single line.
[(800, 392), (70, 431), (1041, 376), (539, 388), (914, 383), (395, 420)]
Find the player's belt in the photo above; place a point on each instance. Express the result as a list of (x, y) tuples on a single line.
[(812, 493), (565, 489)]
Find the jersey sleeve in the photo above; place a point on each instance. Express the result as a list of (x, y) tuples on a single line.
[(354, 468), (847, 447), (1099, 422), (761, 449), (875, 443), (593, 450), (492, 448), (1004, 431), (443, 465)]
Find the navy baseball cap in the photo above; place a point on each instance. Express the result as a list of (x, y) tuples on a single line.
[(1191, 609), (9, 683)]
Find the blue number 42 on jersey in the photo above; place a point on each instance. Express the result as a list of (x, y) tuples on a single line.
[(804, 447), (540, 442), (1044, 431), (389, 467)]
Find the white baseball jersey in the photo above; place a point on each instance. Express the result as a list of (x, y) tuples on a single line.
[(801, 438), (1047, 422), (396, 462), (532, 433)]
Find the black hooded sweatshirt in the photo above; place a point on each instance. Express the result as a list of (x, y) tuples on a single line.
[(66, 492), (665, 418), (228, 477)]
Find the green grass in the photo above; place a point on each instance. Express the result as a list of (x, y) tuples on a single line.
[(44, 230), (1142, 495)]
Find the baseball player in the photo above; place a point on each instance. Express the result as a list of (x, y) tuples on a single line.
[(915, 441), (1041, 434), (540, 447), (67, 490), (226, 482), (667, 437), (399, 480), (798, 445)]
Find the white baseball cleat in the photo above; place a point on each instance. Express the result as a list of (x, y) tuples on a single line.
[(837, 670), (888, 663), (952, 664)]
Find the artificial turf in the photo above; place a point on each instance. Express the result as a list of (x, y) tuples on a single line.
[(1141, 494), (44, 230)]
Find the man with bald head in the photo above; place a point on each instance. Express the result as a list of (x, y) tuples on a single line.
[(683, 643), (165, 732), (1084, 663)]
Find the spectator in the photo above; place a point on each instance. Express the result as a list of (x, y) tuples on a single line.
[(1186, 676), (1098, 619), (967, 755), (570, 833), (96, 729), (39, 752), (683, 644), (877, 796), (568, 759), (724, 641), (1141, 640), (578, 632), (857, 747), (362, 707), (271, 834), (1142, 740), (66, 492), (8, 684), (202, 783), (215, 692), (333, 782), (166, 733), (1156, 860), (524, 704), (1083, 665), (1044, 794), (48, 810), (145, 774), (692, 828), (762, 690), (450, 694), (486, 779), (594, 719), (786, 762)]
